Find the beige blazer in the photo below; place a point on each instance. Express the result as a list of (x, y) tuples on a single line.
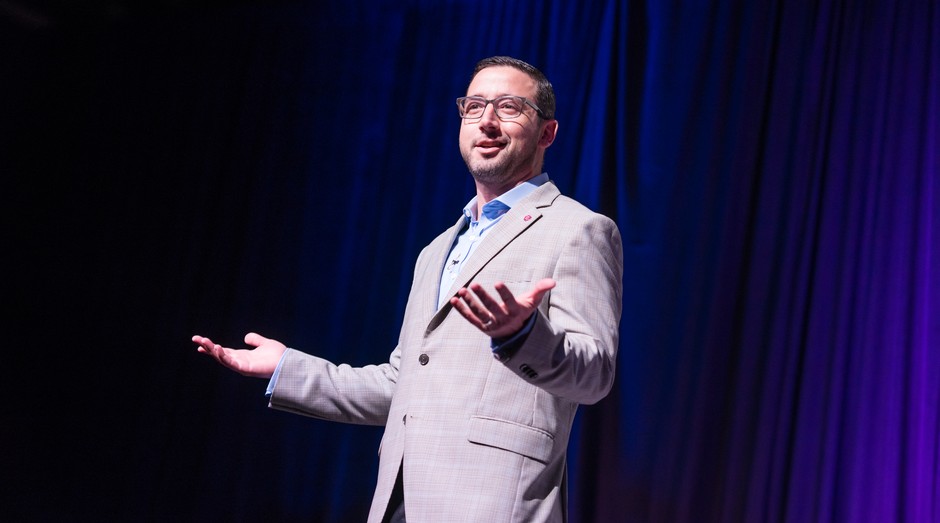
[(483, 440)]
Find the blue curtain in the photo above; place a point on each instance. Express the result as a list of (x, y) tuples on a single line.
[(237, 166)]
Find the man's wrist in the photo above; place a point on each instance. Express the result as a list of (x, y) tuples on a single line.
[(505, 347)]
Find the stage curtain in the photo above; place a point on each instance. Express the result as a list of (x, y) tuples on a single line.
[(276, 167)]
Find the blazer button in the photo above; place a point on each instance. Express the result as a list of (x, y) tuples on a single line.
[(423, 359)]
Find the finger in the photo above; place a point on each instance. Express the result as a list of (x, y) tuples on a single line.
[(227, 360), (204, 344), (509, 300), (475, 308), (471, 299), (463, 309), (467, 313), (218, 352), (545, 284), (489, 305), (541, 287), (254, 339)]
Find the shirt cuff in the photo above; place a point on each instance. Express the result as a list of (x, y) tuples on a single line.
[(504, 348), (273, 381)]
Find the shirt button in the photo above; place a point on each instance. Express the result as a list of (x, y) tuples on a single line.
[(404, 419), (423, 359)]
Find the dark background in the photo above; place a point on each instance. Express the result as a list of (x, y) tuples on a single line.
[(172, 168)]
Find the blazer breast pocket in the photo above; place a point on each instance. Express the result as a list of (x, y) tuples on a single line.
[(515, 437), (518, 281)]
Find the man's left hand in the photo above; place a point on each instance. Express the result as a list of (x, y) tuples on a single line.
[(499, 320)]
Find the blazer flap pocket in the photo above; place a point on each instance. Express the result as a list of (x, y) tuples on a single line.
[(515, 437)]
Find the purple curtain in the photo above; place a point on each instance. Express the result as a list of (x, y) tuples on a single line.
[(783, 363)]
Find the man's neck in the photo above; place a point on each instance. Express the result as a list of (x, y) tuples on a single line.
[(487, 193)]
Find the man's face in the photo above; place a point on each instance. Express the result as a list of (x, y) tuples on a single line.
[(498, 152)]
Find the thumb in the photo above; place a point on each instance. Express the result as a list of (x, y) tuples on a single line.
[(541, 287), (544, 285), (254, 339)]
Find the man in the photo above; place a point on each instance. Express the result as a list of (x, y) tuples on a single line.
[(511, 322)]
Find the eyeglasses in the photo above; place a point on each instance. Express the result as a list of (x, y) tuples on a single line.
[(507, 107)]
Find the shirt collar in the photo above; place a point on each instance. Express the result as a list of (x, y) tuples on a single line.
[(505, 201)]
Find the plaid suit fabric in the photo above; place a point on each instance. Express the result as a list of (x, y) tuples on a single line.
[(482, 439)]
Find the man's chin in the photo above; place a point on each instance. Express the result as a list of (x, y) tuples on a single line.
[(488, 173)]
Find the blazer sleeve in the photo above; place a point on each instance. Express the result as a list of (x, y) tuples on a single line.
[(315, 387), (572, 349)]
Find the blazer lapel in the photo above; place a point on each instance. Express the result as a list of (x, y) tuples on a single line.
[(437, 253), (513, 223)]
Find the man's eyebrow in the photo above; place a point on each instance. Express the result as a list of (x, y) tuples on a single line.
[(495, 97)]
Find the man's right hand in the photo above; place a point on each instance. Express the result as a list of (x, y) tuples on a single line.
[(258, 362)]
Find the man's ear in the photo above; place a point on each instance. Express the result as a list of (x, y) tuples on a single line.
[(548, 133)]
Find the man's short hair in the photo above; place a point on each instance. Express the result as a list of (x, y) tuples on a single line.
[(544, 93)]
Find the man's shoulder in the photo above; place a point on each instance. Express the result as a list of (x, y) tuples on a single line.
[(549, 196), (569, 204), (568, 208)]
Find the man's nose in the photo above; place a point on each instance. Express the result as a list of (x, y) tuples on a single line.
[(489, 119)]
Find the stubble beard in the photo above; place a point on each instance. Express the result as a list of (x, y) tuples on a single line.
[(500, 170)]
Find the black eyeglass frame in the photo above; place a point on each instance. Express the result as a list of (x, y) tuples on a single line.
[(463, 99)]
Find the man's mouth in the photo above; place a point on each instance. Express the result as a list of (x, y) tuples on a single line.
[(489, 147)]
